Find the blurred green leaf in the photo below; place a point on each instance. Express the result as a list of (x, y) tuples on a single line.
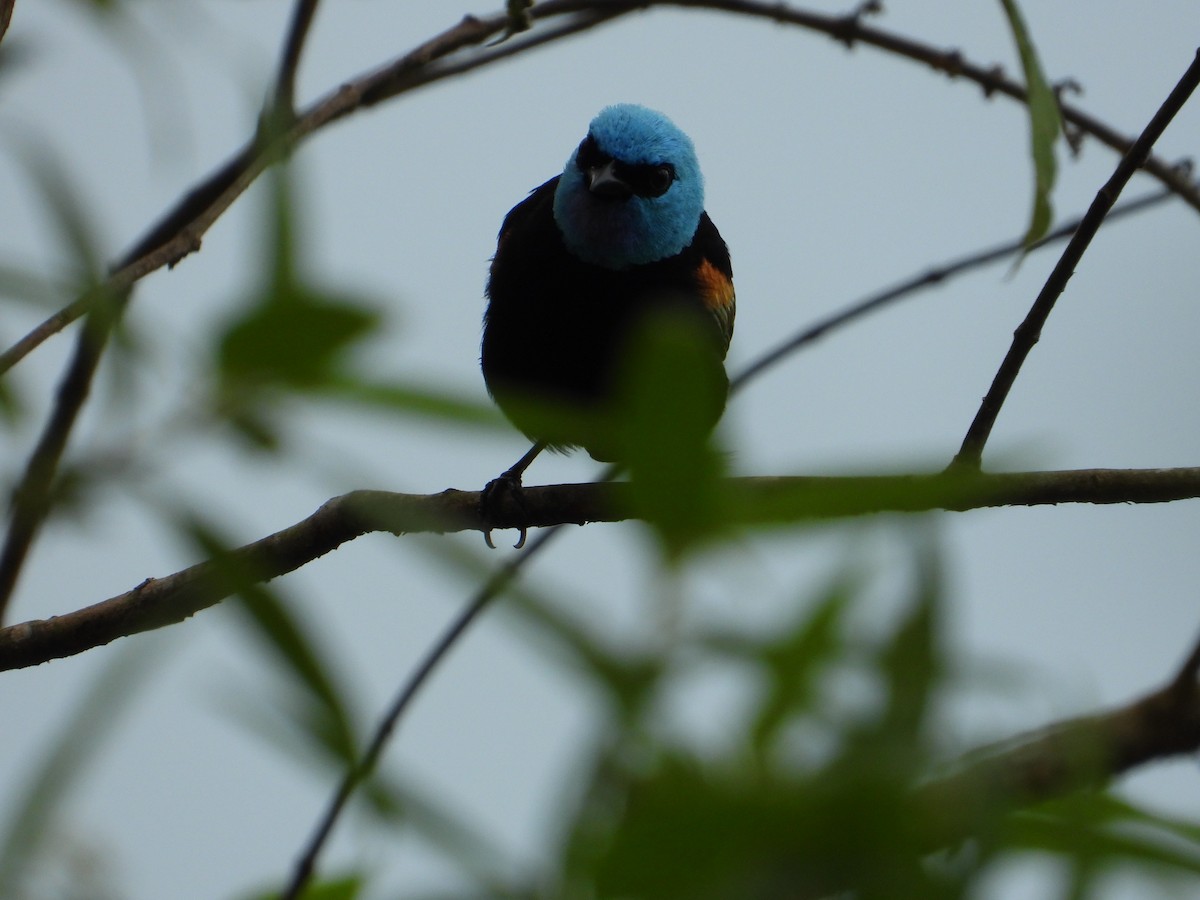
[(698, 832), (30, 823), (795, 662), (290, 335), (314, 721), (688, 833), (18, 282), (1045, 124), (912, 662), (416, 400), (661, 821), (11, 407), (1102, 831), (673, 389), (322, 713), (794, 658), (66, 208), (342, 887), (625, 676)]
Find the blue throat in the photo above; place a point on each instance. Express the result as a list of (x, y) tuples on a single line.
[(639, 230)]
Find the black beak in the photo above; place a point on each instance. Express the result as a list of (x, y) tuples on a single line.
[(607, 185)]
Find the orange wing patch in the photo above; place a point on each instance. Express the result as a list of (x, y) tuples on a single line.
[(715, 288)]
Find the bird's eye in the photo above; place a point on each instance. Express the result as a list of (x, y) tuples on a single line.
[(661, 178), (653, 181), (589, 154)]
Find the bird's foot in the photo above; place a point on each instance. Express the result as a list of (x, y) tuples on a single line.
[(497, 492)]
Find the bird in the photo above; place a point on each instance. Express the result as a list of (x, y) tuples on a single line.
[(589, 257)]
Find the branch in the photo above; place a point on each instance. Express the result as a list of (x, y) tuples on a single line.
[(1027, 334), (364, 766), (178, 235), (157, 602), (935, 276), (31, 497), (284, 99), (1075, 754), (6, 11), (851, 29), (180, 230)]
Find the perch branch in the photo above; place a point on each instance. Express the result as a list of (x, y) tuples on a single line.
[(158, 602)]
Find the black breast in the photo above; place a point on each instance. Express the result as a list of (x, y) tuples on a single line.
[(555, 327)]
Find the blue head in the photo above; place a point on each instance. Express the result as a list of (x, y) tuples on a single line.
[(632, 192)]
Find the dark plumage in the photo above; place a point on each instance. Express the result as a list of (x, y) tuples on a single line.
[(618, 236)]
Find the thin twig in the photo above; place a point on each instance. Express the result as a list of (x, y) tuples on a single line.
[(31, 497), (855, 29), (306, 864), (178, 233), (289, 62), (936, 276), (970, 455), (180, 230)]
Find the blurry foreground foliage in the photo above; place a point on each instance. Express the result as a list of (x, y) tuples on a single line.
[(812, 790), (655, 813)]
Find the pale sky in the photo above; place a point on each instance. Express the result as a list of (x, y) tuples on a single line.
[(829, 173)]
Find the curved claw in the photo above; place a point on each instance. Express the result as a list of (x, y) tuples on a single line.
[(506, 486)]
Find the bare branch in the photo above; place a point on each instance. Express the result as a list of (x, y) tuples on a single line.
[(285, 81), (853, 29), (179, 232), (6, 11), (306, 865), (157, 602), (1085, 752), (1027, 334), (31, 496), (936, 276)]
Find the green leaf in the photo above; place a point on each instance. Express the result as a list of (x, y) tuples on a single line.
[(794, 662), (672, 391), (912, 662), (291, 337), (27, 285), (1104, 831), (416, 400), (31, 820), (1045, 124), (321, 711), (343, 887), (66, 209), (693, 832), (627, 677)]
